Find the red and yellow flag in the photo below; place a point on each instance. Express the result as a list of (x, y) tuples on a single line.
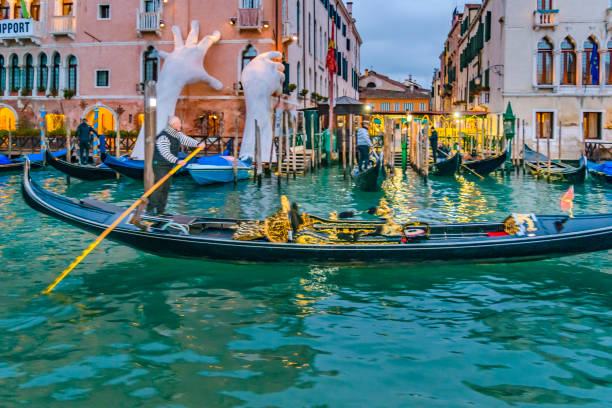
[(567, 201), (331, 65)]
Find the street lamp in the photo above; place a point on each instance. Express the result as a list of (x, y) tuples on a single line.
[(509, 122)]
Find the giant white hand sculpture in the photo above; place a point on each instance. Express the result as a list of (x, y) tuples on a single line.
[(183, 66), (261, 79)]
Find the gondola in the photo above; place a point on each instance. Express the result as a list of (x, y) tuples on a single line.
[(485, 166), (600, 172), (134, 169), (370, 179), (35, 161), (446, 167), (89, 173), (217, 169), (288, 236), (559, 171)]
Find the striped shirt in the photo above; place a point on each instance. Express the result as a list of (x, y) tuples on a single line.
[(163, 143)]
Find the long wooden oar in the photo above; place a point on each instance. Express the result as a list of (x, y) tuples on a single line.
[(117, 222)]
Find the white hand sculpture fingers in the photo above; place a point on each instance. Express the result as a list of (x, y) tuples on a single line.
[(178, 37), (209, 40), (194, 34), (212, 81), (278, 66), (163, 54), (270, 55)]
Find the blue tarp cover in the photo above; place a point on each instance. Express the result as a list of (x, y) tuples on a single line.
[(4, 159)]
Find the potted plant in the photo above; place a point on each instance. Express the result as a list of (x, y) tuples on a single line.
[(14, 91), (26, 92), (291, 87), (41, 90), (69, 93), (303, 93), (52, 93)]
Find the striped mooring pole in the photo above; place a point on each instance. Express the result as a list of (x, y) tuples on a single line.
[(96, 140), (43, 113)]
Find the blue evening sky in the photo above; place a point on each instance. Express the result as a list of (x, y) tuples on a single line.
[(403, 37)]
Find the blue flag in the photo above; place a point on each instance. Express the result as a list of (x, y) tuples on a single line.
[(595, 65)]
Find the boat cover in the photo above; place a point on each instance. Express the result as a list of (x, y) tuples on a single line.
[(4, 159)]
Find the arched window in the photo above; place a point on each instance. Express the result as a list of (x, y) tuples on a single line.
[(29, 72), (35, 10), (5, 10), (568, 62), (545, 62), (298, 23), (150, 64), (14, 74), (590, 63), (72, 73), (248, 55), (299, 77), (371, 85), (43, 72), (55, 72), (2, 74)]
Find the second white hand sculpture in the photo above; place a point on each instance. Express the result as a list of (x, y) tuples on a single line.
[(261, 79), (183, 66)]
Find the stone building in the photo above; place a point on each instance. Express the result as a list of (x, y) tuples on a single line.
[(72, 56)]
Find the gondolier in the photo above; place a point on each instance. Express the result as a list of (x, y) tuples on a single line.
[(364, 143), (84, 133), (433, 143), (167, 146)]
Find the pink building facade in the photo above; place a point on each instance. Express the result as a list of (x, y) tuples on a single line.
[(72, 56)]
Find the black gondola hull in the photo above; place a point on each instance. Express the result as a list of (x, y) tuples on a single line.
[(485, 166), (88, 173), (371, 179), (578, 235), (446, 167)]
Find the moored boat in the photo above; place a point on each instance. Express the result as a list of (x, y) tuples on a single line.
[(601, 172), (559, 171), (485, 166), (36, 160), (81, 172), (288, 236), (217, 169), (446, 167), (370, 179), (134, 169)]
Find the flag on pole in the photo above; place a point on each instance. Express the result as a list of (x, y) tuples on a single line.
[(567, 201), (595, 64), (24, 10), (332, 68)]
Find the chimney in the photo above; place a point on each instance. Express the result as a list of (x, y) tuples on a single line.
[(366, 72), (349, 8)]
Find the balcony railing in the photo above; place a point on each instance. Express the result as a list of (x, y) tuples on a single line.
[(250, 18), (63, 25), (148, 22), (545, 18)]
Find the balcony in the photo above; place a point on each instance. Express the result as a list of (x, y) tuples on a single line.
[(545, 19), (20, 30), (148, 22), (250, 18), (287, 31), (63, 26)]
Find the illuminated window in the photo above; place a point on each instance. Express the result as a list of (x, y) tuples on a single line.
[(67, 7), (587, 72), (568, 62), (544, 125), (35, 10), (7, 119), (5, 9)]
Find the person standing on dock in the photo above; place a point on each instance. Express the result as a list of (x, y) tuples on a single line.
[(433, 143), (167, 146), (84, 133), (364, 143)]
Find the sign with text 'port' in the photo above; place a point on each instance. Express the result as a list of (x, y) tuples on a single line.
[(16, 28)]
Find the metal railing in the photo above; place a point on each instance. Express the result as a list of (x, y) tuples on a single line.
[(597, 150), (63, 25), (148, 21)]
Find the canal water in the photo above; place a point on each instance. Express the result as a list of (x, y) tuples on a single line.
[(129, 329)]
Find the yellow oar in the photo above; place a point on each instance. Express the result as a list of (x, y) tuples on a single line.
[(117, 221)]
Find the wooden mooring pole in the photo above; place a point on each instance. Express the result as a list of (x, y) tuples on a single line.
[(150, 122), (236, 152)]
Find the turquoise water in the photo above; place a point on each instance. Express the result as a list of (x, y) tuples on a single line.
[(129, 329)]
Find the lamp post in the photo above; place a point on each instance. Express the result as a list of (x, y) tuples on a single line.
[(509, 127)]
